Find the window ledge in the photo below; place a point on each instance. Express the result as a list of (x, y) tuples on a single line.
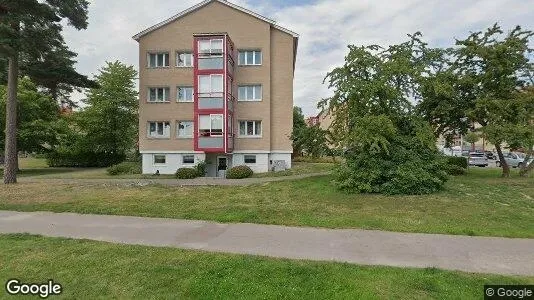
[(178, 101), (249, 137), (184, 138), (158, 102), (185, 67), (259, 100), (158, 138), (167, 67), (249, 65)]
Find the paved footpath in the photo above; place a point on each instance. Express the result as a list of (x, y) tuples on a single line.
[(207, 181), (471, 254)]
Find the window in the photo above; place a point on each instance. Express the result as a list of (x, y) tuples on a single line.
[(250, 159), (159, 130), (158, 94), (208, 84), (188, 159), (158, 60), (249, 93), (184, 94), (184, 59), (250, 58), (160, 159), (184, 129), (250, 128), (210, 47), (210, 125)]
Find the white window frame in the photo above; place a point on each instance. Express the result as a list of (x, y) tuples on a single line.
[(248, 163), (166, 94), (211, 53), (211, 92), (157, 53), (254, 135), (183, 159), (246, 62), (178, 53), (159, 164), (254, 96), (158, 136), (185, 100), (185, 136), (211, 121)]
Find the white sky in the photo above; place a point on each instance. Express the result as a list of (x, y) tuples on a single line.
[(326, 27)]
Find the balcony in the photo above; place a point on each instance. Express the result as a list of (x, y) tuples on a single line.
[(210, 101), (210, 140)]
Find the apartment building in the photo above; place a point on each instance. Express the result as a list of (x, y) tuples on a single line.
[(216, 85)]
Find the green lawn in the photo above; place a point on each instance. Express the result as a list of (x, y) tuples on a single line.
[(91, 270), (478, 204), (299, 168)]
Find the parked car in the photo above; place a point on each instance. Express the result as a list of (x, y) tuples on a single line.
[(514, 160), (490, 155), (478, 159)]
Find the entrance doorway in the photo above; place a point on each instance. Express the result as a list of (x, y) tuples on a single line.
[(222, 165)]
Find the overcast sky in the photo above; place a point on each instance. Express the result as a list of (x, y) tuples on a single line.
[(326, 27)]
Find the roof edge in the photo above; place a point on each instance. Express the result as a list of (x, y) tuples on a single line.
[(204, 3)]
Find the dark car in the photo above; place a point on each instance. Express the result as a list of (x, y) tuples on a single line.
[(490, 155)]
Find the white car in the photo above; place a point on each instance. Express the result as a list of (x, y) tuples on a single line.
[(514, 160), (478, 159)]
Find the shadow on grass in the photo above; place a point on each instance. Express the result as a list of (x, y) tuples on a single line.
[(44, 171)]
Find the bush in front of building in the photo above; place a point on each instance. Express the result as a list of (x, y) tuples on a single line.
[(127, 167), (201, 168), (186, 173), (239, 172)]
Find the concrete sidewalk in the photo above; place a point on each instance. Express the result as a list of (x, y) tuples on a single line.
[(201, 181), (471, 254)]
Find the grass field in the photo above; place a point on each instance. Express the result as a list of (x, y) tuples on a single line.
[(478, 204), (91, 270)]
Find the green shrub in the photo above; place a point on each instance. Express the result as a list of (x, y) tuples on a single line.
[(186, 173), (126, 167), (201, 168), (392, 159), (455, 170), (239, 172), (456, 165), (457, 161)]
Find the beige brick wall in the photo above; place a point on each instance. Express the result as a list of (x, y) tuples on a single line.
[(247, 32)]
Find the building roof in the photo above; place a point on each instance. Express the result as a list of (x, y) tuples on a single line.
[(204, 3)]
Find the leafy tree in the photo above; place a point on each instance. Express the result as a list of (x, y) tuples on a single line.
[(38, 118), (477, 82), (472, 138), (314, 141), (389, 148), (109, 122), (299, 124), (30, 28)]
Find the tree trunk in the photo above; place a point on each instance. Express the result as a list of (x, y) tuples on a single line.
[(504, 165), (11, 157)]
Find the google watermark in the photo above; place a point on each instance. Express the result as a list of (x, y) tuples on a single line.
[(44, 290), (524, 292)]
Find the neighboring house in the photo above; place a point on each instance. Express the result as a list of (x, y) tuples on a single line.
[(216, 85), (312, 121), (325, 119)]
